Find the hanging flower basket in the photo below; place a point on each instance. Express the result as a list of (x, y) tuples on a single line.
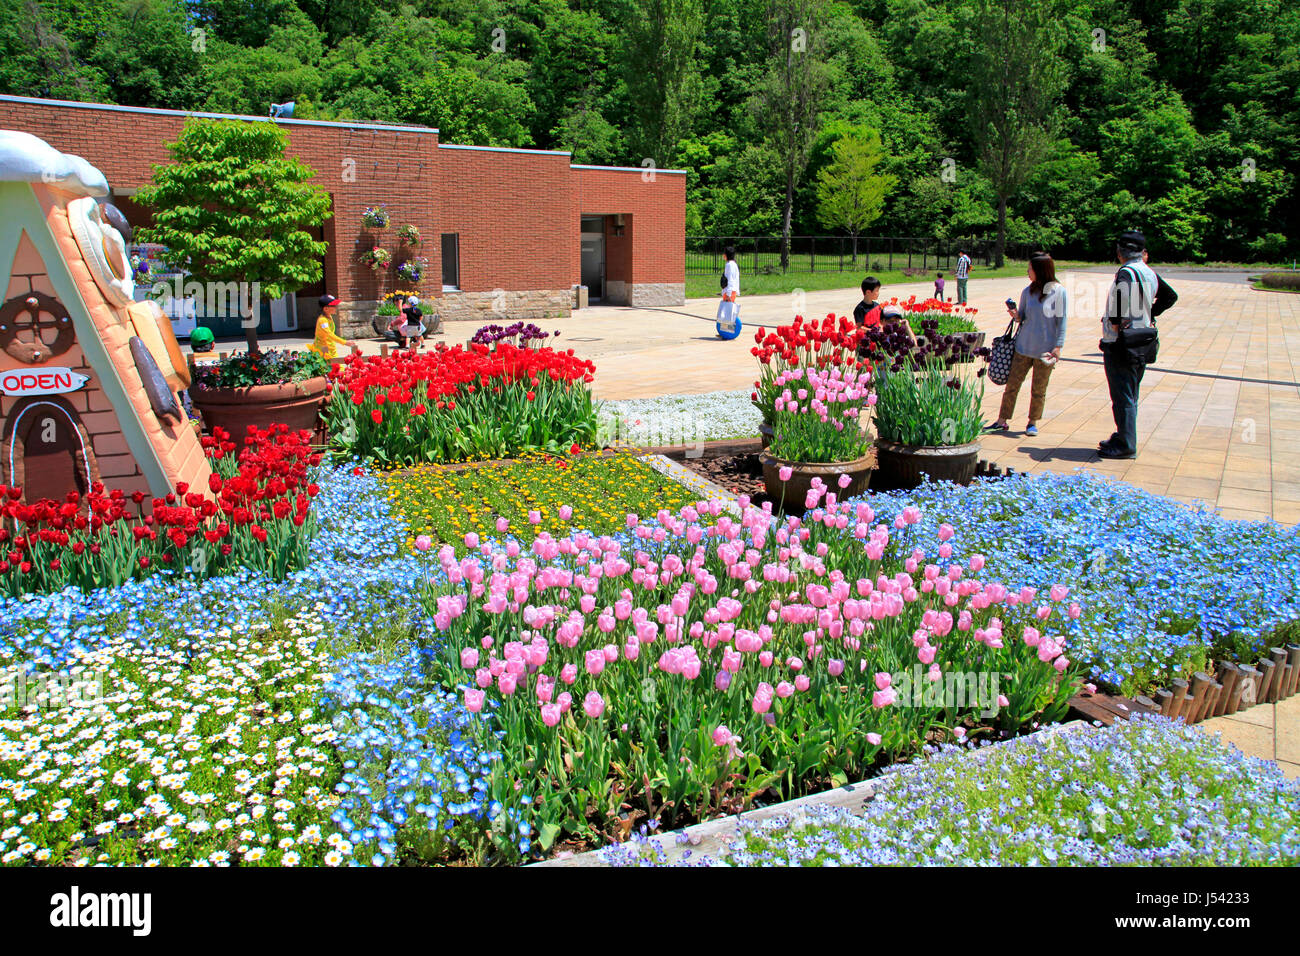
[(376, 258), (409, 235), (375, 217), (413, 268)]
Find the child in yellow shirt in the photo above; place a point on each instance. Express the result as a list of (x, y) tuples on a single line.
[(326, 341)]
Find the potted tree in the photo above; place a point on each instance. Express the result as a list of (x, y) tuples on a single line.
[(232, 209), (818, 435), (928, 421)]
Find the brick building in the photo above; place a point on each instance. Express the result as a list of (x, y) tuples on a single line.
[(507, 233)]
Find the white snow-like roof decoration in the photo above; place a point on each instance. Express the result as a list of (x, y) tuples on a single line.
[(25, 158)]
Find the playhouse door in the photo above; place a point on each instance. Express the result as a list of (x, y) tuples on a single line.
[(49, 447)]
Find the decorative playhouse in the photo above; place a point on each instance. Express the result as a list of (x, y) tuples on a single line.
[(88, 375)]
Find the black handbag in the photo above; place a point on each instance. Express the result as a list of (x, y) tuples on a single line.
[(1142, 345), (1002, 354), (724, 279)]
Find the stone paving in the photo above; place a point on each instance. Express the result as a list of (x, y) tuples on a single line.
[(1268, 731)]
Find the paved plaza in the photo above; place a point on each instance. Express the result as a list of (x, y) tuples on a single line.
[(1219, 419)]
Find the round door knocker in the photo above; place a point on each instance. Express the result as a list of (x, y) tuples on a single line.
[(35, 328)]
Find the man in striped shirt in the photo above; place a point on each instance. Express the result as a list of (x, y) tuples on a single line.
[(962, 272)]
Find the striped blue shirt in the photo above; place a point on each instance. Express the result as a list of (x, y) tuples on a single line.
[(963, 266)]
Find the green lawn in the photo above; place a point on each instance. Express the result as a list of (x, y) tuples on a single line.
[(751, 284)]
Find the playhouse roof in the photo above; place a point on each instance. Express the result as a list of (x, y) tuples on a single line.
[(25, 158)]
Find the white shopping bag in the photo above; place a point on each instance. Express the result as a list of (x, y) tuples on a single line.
[(728, 315)]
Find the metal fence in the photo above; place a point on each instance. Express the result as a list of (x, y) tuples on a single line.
[(761, 255)]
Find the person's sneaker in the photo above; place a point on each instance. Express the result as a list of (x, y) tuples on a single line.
[(1031, 430), (995, 427), (1116, 453), (1108, 442)]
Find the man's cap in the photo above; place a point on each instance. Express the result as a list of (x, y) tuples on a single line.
[(201, 336), (414, 300), (327, 300), (1132, 240)]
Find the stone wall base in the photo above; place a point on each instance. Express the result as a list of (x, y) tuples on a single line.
[(353, 320), (532, 305), (644, 294)]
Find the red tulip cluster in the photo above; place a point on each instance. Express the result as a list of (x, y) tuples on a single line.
[(255, 514), (454, 403)]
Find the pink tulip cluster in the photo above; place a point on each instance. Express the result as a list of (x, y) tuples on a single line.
[(749, 612), (832, 394)]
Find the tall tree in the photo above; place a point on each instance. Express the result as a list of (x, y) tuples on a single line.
[(850, 192), (660, 72), (791, 96), (231, 207), (1016, 76)]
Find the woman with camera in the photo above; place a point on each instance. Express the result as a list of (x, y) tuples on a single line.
[(1040, 335)]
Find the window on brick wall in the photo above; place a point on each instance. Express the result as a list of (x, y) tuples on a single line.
[(450, 261)]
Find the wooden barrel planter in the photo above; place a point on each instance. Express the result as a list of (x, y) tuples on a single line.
[(296, 404), (765, 434), (906, 466), (790, 494)]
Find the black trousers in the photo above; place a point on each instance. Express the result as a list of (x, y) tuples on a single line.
[(1124, 373)]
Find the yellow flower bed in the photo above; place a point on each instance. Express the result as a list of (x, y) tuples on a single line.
[(446, 504)]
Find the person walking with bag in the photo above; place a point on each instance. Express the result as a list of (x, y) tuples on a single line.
[(1041, 334), (729, 307), (1129, 341)]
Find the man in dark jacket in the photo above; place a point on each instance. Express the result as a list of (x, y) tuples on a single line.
[(1128, 339)]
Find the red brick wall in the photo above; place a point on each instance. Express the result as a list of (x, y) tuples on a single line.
[(657, 227), (515, 215), (517, 212)]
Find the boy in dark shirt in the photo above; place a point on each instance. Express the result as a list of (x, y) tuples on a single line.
[(867, 311), (414, 329)]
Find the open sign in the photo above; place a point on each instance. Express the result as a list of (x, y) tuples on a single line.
[(53, 380)]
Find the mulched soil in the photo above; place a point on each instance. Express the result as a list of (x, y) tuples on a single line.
[(739, 474)]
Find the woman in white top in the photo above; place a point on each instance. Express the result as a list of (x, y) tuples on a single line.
[(729, 308)]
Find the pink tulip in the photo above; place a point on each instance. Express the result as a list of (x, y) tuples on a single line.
[(1002, 701), (506, 683), (784, 473), (569, 672), (595, 662), (844, 481), (723, 737), (474, 701), (835, 667), (977, 562), (593, 705), (883, 698), (534, 517), (565, 512), (722, 680), (765, 658), (802, 683), (565, 700), (550, 714), (502, 525), (471, 540), (883, 680), (423, 543), (469, 657), (873, 739)]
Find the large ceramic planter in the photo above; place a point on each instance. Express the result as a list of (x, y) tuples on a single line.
[(906, 466), (790, 494), (296, 404)]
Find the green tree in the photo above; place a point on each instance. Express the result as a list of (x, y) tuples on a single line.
[(660, 72), (850, 192), (791, 96), (231, 207), (1016, 76)]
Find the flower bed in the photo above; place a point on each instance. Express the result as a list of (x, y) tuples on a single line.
[(1163, 588), (454, 404), (715, 660), (680, 419), (1148, 792), (541, 494), (254, 514)]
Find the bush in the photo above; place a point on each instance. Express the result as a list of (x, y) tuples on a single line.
[(241, 370), (453, 404), (1282, 280)]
